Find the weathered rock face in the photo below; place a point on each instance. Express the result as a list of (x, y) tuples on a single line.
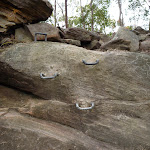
[(52, 32), (116, 124), (118, 75), (128, 35), (14, 12), (80, 34), (119, 86), (22, 133), (14, 127)]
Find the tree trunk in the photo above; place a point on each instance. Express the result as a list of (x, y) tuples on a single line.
[(149, 16), (62, 11), (120, 13), (149, 23), (66, 14), (83, 21), (92, 24), (55, 14)]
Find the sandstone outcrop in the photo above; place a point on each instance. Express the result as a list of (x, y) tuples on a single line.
[(83, 100), (14, 105), (21, 66), (17, 12)]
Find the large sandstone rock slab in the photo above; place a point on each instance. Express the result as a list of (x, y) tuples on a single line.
[(116, 124), (15, 12), (53, 33), (127, 35), (21, 133), (117, 76)]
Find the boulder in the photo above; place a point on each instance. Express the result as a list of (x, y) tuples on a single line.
[(119, 44), (17, 12), (22, 35), (25, 65), (71, 41), (53, 33), (126, 34), (140, 30), (80, 34)]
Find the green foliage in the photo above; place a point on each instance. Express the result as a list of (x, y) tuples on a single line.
[(141, 7), (101, 18)]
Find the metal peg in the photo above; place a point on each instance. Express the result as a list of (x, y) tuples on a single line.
[(52, 77), (35, 38), (85, 108), (97, 61)]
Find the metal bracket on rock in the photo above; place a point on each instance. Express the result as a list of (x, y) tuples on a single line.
[(52, 77), (35, 38), (86, 108), (97, 61)]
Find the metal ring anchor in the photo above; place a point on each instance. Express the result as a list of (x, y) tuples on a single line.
[(35, 38), (97, 61), (86, 108), (52, 77)]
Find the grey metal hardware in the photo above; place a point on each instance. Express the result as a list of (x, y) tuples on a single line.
[(35, 38), (97, 61), (85, 108), (52, 77)]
